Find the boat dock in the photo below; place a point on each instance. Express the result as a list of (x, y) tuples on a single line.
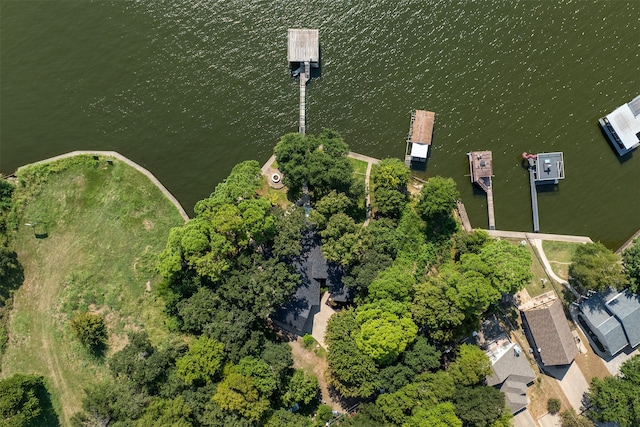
[(544, 168), (419, 138), (303, 53), (481, 169)]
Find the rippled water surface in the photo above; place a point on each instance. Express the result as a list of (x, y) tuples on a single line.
[(189, 88)]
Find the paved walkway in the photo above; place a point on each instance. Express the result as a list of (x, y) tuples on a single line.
[(538, 236), (123, 159), (537, 244), (321, 319)]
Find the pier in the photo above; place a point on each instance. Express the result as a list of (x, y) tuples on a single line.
[(544, 168), (534, 195), (481, 169), (303, 53)]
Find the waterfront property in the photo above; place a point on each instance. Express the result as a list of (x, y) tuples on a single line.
[(614, 317), (622, 126), (419, 138), (481, 169), (511, 373), (547, 327), (303, 52)]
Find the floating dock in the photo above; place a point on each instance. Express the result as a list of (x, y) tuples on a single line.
[(303, 53), (544, 168), (481, 169), (419, 138)]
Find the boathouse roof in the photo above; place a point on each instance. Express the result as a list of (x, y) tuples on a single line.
[(625, 121), (549, 167), (304, 45), (422, 127), (481, 165)]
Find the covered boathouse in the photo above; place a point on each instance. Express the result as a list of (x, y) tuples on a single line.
[(622, 127), (419, 138), (303, 46)]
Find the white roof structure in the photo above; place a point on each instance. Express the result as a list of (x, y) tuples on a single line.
[(419, 151), (304, 45), (622, 126)]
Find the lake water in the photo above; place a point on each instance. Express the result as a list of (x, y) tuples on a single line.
[(189, 88)]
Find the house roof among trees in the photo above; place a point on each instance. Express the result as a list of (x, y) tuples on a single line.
[(315, 273), (512, 365), (550, 330)]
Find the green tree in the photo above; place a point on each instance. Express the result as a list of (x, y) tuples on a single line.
[(392, 173), (389, 203), (166, 413), (553, 405), (615, 400), (597, 267), (441, 415), (469, 242), (470, 367), (395, 283), (19, 402), (302, 389), (328, 206), (341, 241), (569, 418), (631, 262), (238, 393), (351, 371), (383, 335), (437, 198), (203, 361), (433, 309), (421, 356), (260, 372), (479, 406), (509, 265), (90, 329), (285, 418), (11, 272)]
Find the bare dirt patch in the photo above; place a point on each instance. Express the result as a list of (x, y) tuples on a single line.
[(312, 364)]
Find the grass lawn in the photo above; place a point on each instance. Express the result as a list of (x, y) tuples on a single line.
[(99, 229), (359, 166), (559, 255)]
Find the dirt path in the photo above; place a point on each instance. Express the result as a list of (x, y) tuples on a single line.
[(33, 325), (312, 364)]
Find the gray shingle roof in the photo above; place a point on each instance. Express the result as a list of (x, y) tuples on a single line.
[(551, 333), (512, 364), (626, 307), (514, 396), (616, 316)]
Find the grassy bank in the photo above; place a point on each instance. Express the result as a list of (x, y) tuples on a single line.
[(95, 229)]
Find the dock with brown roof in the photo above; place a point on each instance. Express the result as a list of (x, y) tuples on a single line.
[(420, 135), (481, 170)]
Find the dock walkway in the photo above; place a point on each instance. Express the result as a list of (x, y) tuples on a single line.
[(304, 78), (534, 195)]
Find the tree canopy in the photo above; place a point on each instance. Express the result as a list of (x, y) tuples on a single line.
[(596, 267), (631, 262)]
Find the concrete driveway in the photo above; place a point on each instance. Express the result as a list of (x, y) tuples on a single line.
[(524, 419), (550, 420), (572, 383), (321, 319)]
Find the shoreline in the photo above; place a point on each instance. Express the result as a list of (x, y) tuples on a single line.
[(118, 156), (267, 164)]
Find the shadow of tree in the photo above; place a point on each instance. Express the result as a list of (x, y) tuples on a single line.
[(11, 273), (48, 416)]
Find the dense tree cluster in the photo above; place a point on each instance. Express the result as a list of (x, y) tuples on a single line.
[(597, 268), (24, 401), (390, 181), (320, 162), (617, 399), (631, 262)]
